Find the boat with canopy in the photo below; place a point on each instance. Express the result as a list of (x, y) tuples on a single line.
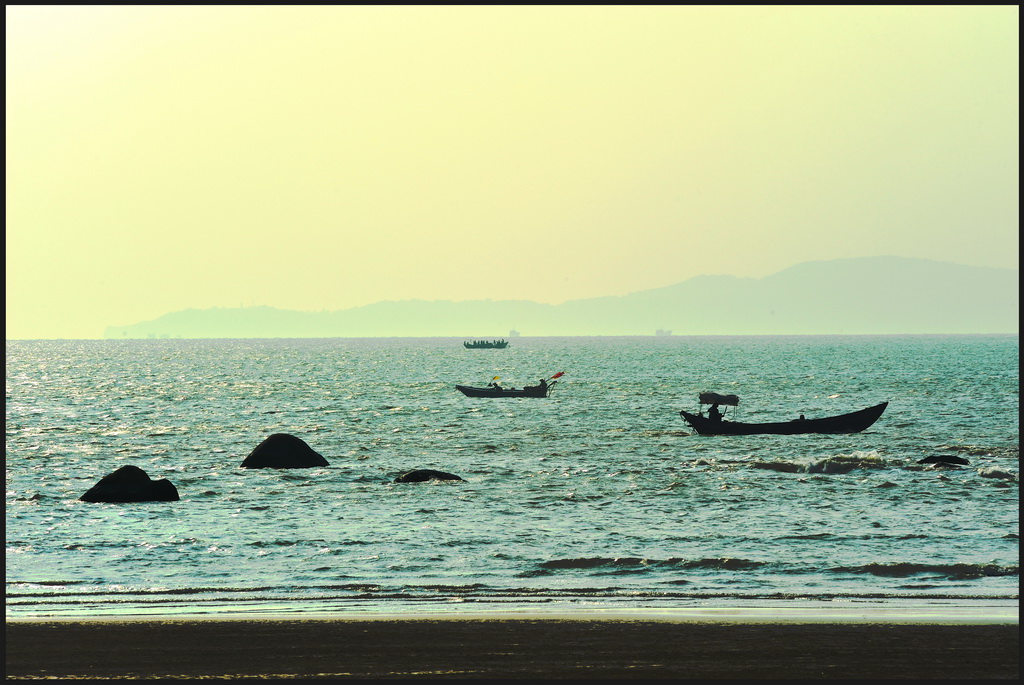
[(715, 424)]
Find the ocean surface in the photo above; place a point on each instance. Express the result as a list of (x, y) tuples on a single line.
[(599, 497)]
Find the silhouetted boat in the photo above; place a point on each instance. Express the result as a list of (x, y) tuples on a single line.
[(486, 344), (528, 391), (853, 422), (540, 390)]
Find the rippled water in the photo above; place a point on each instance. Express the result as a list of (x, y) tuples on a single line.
[(599, 496)]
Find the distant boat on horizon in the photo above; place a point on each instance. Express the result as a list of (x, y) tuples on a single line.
[(662, 332), (485, 344)]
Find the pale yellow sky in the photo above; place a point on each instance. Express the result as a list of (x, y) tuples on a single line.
[(326, 157)]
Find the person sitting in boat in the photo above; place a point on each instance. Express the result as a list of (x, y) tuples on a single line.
[(540, 389), (714, 414), (495, 384)]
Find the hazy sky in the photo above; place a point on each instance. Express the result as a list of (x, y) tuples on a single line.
[(326, 157)]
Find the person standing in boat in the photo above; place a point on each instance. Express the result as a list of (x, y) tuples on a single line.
[(714, 414)]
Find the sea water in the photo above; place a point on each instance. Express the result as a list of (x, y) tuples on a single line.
[(598, 497)]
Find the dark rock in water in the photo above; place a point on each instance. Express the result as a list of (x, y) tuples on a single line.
[(283, 451), (785, 467), (944, 459), (421, 475), (131, 484)]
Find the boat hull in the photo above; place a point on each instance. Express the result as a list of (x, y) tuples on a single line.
[(470, 391), (853, 422)]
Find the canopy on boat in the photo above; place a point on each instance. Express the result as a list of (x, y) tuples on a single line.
[(715, 398)]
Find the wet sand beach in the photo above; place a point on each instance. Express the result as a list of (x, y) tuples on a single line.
[(510, 647)]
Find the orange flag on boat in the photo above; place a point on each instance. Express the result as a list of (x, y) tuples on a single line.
[(557, 375)]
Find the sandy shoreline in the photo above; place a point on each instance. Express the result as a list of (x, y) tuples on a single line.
[(736, 645)]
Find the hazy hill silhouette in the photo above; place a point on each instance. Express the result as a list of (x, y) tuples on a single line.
[(871, 295)]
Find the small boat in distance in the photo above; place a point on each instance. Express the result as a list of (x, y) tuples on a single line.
[(854, 422), (529, 391), (486, 344), (494, 389)]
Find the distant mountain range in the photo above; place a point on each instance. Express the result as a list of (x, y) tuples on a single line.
[(870, 295)]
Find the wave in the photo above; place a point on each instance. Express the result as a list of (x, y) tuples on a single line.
[(127, 592), (642, 562), (959, 571), (375, 597), (993, 472), (837, 464), (951, 571), (845, 463)]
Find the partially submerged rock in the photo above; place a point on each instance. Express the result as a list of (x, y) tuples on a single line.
[(944, 459), (421, 475), (131, 484), (283, 451)]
